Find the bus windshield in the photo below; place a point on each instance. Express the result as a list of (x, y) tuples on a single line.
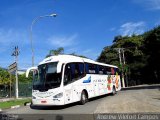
[(47, 77)]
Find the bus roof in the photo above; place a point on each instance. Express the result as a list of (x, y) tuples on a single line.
[(71, 58)]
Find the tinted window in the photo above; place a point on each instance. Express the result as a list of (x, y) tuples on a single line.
[(81, 69), (113, 71), (92, 69), (102, 70), (67, 74), (116, 71), (47, 77), (73, 71), (108, 70), (86, 68)]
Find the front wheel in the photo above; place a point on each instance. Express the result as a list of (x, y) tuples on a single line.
[(84, 98)]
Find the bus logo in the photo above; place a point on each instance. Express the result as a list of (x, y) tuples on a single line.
[(88, 80)]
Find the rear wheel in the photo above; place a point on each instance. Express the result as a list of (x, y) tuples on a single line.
[(113, 90), (84, 98)]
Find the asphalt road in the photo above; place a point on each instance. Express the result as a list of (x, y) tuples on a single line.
[(68, 112), (138, 100)]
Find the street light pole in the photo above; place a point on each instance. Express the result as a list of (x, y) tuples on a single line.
[(31, 40)]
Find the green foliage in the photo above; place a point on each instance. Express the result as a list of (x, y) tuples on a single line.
[(57, 51), (5, 77), (60, 50), (141, 54), (152, 51), (22, 78), (74, 54), (10, 103)]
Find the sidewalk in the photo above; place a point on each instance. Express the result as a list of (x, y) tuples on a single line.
[(9, 99), (6, 99)]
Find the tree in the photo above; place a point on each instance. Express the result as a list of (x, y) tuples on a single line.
[(5, 77), (134, 55), (57, 51), (152, 50), (74, 54), (22, 78)]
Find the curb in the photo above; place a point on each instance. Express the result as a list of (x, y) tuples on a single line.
[(155, 86), (16, 106), (28, 104)]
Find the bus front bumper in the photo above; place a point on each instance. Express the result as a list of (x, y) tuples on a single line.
[(48, 102)]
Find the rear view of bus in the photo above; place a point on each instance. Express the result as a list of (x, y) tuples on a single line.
[(64, 79)]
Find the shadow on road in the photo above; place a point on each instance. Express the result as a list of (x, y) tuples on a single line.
[(142, 87), (53, 107), (68, 105)]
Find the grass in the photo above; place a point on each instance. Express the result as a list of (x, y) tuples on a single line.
[(8, 104)]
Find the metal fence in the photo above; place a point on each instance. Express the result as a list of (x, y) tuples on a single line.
[(24, 90)]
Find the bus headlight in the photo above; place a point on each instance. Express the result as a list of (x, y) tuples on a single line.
[(59, 95)]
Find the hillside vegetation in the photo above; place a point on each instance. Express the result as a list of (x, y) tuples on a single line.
[(142, 56)]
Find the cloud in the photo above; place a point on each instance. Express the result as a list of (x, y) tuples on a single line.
[(12, 36), (149, 4), (63, 41), (130, 28)]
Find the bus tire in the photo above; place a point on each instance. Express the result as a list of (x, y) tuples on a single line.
[(84, 98), (113, 90), (32, 106)]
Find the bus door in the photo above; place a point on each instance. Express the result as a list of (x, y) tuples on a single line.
[(68, 84)]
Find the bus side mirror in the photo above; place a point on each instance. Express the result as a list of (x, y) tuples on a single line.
[(30, 69)]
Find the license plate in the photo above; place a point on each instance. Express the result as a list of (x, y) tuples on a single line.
[(43, 101)]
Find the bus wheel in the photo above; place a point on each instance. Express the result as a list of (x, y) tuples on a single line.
[(113, 90), (84, 98)]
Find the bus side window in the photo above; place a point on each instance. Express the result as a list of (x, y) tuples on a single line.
[(81, 69), (117, 71), (113, 71), (108, 70), (67, 74), (100, 68), (96, 69), (92, 69), (104, 71), (78, 71), (86, 68)]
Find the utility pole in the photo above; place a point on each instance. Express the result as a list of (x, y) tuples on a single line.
[(124, 62), (120, 60), (10, 88), (16, 53)]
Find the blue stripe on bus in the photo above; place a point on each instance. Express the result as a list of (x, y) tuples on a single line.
[(88, 80)]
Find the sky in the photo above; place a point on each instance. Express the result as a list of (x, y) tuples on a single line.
[(82, 27)]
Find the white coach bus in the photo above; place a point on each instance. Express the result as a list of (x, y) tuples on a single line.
[(64, 79)]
